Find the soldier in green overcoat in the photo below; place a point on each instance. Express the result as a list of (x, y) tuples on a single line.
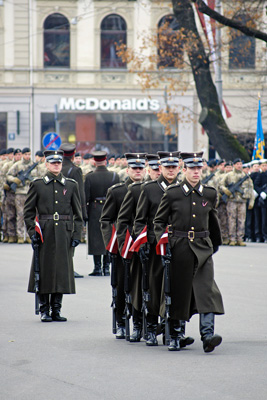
[(56, 201), (188, 209)]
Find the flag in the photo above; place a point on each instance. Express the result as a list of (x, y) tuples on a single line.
[(258, 151), (141, 239), (162, 244), (38, 229), (126, 253), (112, 246)]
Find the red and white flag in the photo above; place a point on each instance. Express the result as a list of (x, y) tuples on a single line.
[(112, 246), (141, 239), (162, 244), (126, 253), (38, 229)]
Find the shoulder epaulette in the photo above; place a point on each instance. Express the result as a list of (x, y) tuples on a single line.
[(71, 180), (173, 185), (149, 182), (117, 185), (37, 179)]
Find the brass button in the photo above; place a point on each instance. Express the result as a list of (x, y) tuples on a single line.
[(193, 191), (56, 223), (192, 228), (194, 216), (194, 203), (56, 201), (55, 191), (55, 180)]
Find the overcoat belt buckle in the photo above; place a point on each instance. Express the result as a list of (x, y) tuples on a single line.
[(56, 216), (169, 227), (191, 235)]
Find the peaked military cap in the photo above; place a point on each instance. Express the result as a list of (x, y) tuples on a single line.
[(16, 151), (99, 155), (168, 159), (136, 160), (10, 150), (153, 161), (53, 156), (193, 159), (26, 150), (68, 149)]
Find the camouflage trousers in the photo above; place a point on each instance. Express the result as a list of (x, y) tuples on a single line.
[(236, 216), (223, 219), (3, 218), (10, 214), (19, 204)]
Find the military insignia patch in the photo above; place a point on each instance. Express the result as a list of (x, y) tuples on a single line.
[(64, 192), (204, 203)]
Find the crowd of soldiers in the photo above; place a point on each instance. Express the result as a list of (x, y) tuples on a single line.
[(123, 199)]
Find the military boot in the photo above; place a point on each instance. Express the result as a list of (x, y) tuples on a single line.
[(240, 243), (151, 334), (174, 342), (12, 239), (97, 268), (206, 327), (20, 240), (106, 266), (56, 303), (5, 240), (44, 308), (184, 340), (137, 326), (120, 334)]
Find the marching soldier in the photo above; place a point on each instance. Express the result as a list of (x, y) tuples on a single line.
[(136, 166), (188, 209), (221, 209), (96, 185), (236, 204), (70, 170), (110, 212), (2, 161), (86, 166), (147, 206), (56, 199), (21, 191), (153, 168), (261, 188)]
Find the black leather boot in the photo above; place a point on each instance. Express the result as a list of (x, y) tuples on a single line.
[(174, 342), (206, 328), (120, 334), (137, 326), (184, 340), (44, 308), (97, 269), (56, 303), (152, 324), (106, 266)]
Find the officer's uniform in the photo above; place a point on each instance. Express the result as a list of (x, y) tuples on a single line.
[(194, 234), (56, 200), (125, 222), (96, 186), (110, 211), (260, 184)]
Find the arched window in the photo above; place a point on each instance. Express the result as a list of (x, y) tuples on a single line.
[(170, 47), (241, 49), (56, 41), (113, 31)]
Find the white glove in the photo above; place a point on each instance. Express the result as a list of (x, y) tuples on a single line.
[(255, 194), (263, 195)]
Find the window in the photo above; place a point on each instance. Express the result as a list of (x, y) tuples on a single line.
[(3, 130), (56, 41), (170, 47), (241, 49), (113, 31)]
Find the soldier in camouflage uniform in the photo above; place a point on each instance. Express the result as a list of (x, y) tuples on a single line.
[(221, 209), (21, 191), (236, 205), (87, 167), (10, 210), (8, 160)]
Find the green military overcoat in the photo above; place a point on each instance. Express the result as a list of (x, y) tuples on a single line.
[(47, 196), (188, 209)]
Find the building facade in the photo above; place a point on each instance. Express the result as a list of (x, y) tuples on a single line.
[(59, 72)]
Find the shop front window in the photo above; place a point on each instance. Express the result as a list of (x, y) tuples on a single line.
[(113, 132), (56, 41), (3, 130), (113, 32)]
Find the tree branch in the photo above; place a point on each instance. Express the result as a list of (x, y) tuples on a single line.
[(229, 22)]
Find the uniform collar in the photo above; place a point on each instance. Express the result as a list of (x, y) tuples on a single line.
[(163, 183), (187, 188), (51, 177)]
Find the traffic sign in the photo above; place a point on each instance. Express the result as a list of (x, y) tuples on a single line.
[(51, 141)]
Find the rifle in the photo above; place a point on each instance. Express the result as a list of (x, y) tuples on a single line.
[(208, 178), (22, 176), (127, 288), (114, 283), (36, 276), (235, 187), (166, 260), (144, 257)]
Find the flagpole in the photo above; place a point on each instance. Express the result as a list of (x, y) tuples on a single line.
[(218, 69)]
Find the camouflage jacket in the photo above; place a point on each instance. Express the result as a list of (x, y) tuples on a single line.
[(13, 172), (247, 187)]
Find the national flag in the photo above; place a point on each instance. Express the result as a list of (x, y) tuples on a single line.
[(112, 246), (259, 145), (141, 239), (162, 244), (126, 253), (38, 229)]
